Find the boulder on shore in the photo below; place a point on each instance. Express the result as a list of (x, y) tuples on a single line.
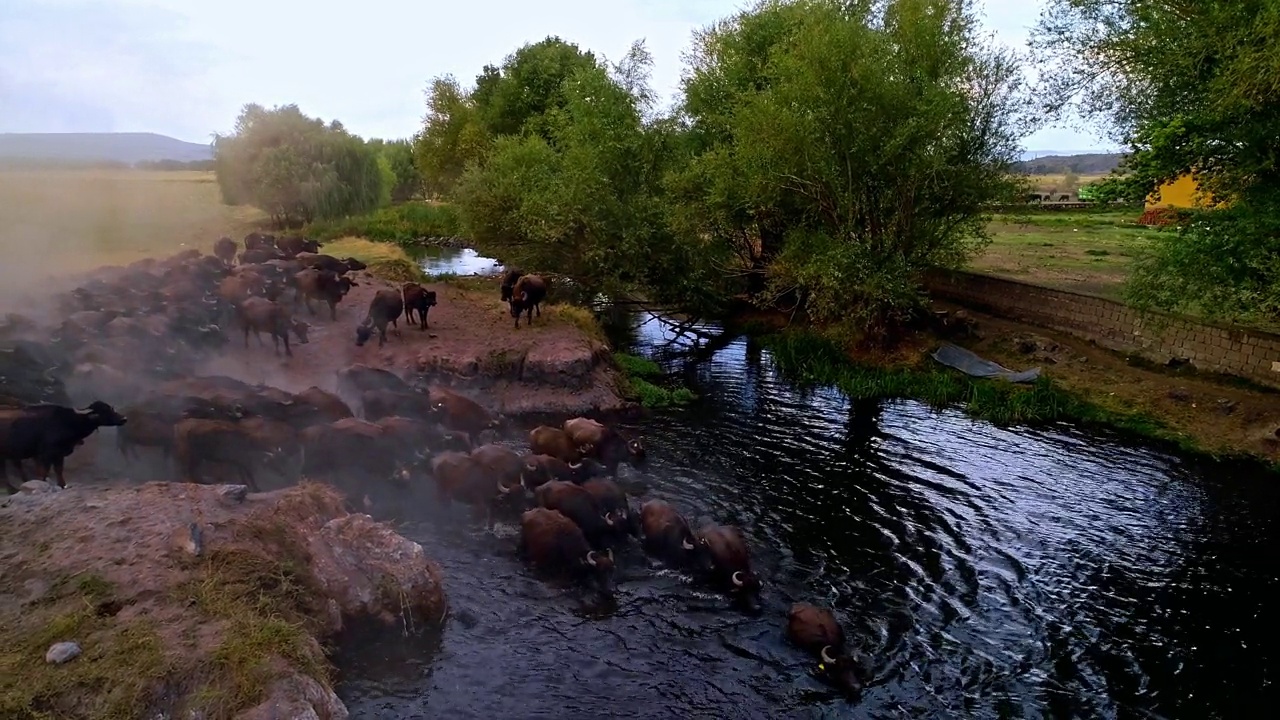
[(191, 598)]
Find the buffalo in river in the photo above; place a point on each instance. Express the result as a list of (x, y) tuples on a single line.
[(815, 630), (554, 542), (728, 561)]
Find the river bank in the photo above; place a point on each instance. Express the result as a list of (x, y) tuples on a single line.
[(189, 598)]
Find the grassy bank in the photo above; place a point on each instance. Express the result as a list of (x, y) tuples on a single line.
[(401, 224), (644, 382), (385, 260), (809, 358)]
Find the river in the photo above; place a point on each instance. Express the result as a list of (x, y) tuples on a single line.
[(983, 572)]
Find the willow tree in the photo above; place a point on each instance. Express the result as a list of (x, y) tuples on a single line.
[(1190, 87), (844, 147), (297, 168)]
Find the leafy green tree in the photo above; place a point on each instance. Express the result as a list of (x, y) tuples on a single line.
[(1190, 88), (451, 137), (842, 148), (297, 168), (405, 177)]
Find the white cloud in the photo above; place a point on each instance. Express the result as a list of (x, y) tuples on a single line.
[(185, 67)]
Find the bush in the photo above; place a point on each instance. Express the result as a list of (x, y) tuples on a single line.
[(400, 224)]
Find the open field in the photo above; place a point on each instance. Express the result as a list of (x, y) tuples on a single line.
[(58, 221), (1043, 183), (1087, 251)]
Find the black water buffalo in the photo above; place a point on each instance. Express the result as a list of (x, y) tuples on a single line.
[(604, 444), (728, 561), (417, 299), (526, 296), (313, 284), (355, 380), (554, 542), (579, 506), (259, 315), (509, 279), (815, 630), (545, 440), (384, 309), (225, 250), (48, 434), (293, 245), (666, 533)]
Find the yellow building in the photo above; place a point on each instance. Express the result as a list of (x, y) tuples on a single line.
[(1181, 192)]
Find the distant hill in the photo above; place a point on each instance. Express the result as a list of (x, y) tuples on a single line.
[(76, 148), (1081, 164)]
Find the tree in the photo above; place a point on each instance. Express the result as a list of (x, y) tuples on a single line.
[(1191, 88), (406, 179), (842, 148), (451, 137), (297, 168)]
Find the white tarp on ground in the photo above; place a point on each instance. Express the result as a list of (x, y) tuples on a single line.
[(970, 364)]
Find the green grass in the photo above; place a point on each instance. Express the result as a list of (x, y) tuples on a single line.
[(402, 224), (639, 383), (1086, 251)]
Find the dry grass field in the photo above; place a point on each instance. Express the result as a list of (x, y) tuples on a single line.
[(63, 221)]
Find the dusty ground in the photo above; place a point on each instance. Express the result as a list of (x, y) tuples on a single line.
[(556, 365), (1220, 414), (227, 620)]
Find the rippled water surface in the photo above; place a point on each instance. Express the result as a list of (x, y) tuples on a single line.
[(456, 261), (982, 572)]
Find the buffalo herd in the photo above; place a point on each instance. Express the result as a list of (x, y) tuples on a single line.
[(561, 490)]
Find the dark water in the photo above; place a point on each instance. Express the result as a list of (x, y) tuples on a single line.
[(983, 572)]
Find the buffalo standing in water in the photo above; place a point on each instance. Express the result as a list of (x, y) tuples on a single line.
[(554, 542), (815, 630), (729, 562), (666, 534)]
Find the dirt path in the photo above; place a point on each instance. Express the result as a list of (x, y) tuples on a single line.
[(555, 365)]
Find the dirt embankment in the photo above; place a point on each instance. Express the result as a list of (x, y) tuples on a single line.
[(1218, 414), (559, 364), (193, 601)]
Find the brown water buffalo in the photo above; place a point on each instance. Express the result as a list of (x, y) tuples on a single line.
[(225, 250), (259, 315), (509, 279), (666, 533), (146, 428), (384, 403), (541, 469), (48, 434), (503, 464), (292, 245), (313, 284), (604, 444), (815, 630), (463, 478), (349, 447), (324, 406), (578, 505), (613, 502), (545, 440), (235, 289), (239, 445), (729, 562), (554, 542), (384, 309), (417, 299), (526, 296), (458, 412)]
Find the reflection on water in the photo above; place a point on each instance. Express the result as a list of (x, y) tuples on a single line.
[(455, 261), (983, 572)]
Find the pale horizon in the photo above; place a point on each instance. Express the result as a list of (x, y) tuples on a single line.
[(184, 68)]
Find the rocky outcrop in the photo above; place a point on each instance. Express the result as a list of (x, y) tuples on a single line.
[(196, 598)]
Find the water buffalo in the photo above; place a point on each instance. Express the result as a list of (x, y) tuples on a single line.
[(319, 285), (329, 263), (666, 534), (557, 443), (322, 405), (458, 412), (503, 464), (239, 445), (294, 245), (257, 240), (554, 542), (509, 279), (526, 296), (729, 562), (355, 380), (613, 501), (147, 427), (225, 250), (384, 403), (463, 478), (384, 309), (262, 315), (578, 505), (349, 447), (815, 630), (541, 469), (48, 434), (417, 299), (604, 444), (260, 255)]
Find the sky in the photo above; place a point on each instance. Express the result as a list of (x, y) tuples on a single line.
[(184, 68)]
